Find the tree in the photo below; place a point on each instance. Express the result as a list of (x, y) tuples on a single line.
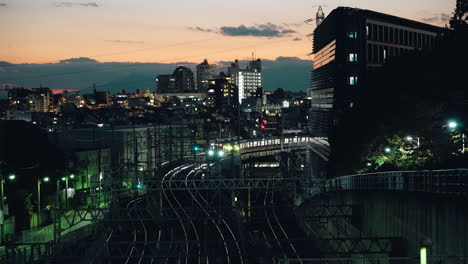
[(459, 20)]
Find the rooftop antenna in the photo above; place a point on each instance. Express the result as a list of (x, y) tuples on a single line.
[(320, 16)]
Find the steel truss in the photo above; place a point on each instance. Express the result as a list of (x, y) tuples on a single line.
[(326, 212), (358, 245), (205, 184)]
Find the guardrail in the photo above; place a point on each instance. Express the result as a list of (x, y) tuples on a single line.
[(453, 182)]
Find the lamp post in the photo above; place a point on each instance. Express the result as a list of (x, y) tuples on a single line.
[(424, 251), (453, 125), (11, 177)]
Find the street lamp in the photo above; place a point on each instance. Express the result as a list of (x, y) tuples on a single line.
[(39, 182), (454, 125), (387, 150)]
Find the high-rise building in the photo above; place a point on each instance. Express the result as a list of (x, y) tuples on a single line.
[(205, 72), (348, 46), (180, 81), (184, 81), (46, 95), (233, 69), (247, 80), (222, 94), (165, 83), (255, 64)]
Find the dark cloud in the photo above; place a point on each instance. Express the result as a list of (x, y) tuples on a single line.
[(72, 4), (3, 4), (124, 41), (81, 60), (297, 39), (261, 30), (200, 29), (439, 18), (290, 73)]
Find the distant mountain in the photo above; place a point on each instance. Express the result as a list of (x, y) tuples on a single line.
[(81, 73)]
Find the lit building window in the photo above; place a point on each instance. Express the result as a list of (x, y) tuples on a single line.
[(352, 57), (352, 35), (353, 80)]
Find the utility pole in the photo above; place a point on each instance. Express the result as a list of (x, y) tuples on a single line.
[(38, 202), (2, 211)]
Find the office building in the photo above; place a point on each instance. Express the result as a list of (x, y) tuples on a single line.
[(247, 80), (348, 46), (165, 83), (184, 81), (180, 81), (222, 95), (205, 72)]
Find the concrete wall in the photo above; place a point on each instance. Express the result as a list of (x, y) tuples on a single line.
[(412, 216)]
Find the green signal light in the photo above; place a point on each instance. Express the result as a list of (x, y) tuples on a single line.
[(423, 255)]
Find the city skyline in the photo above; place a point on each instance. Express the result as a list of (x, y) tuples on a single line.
[(148, 31)]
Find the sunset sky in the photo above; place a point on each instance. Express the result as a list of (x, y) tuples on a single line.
[(45, 31)]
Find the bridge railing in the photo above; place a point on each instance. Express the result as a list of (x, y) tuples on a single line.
[(261, 142), (454, 182)]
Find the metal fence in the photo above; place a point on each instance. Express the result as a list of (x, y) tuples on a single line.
[(453, 182)]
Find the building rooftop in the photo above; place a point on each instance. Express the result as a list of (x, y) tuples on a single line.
[(342, 10)]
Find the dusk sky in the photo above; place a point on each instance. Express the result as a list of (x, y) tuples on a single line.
[(45, 31)]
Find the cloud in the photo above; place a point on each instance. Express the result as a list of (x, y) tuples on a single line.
[(439, 18), (261, 30), (72, 4), (445, 17), (124, 41), (290, 73), (78, 60), (200, 29), (294, 24), (3, 4), (297, 39), (90, 4)]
